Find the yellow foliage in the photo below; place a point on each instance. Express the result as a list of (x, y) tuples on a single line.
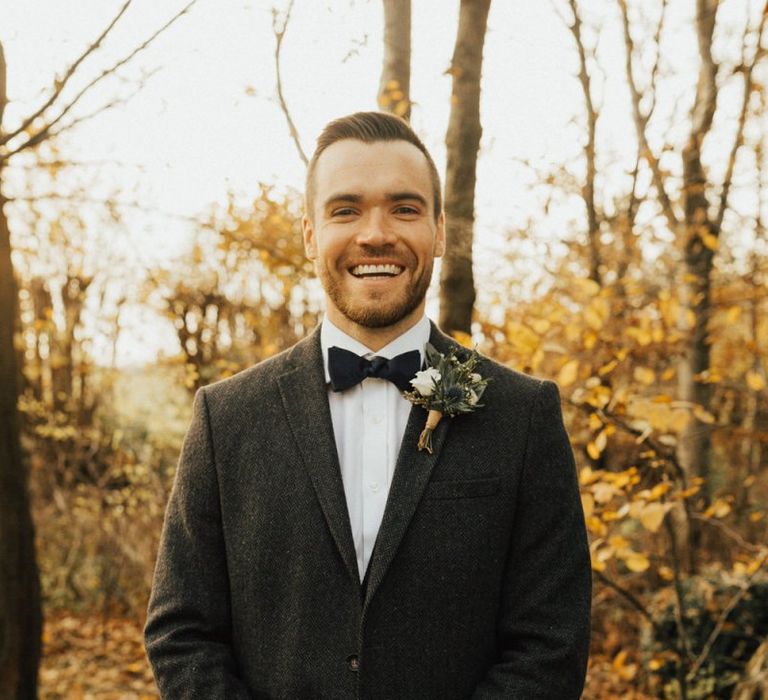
[(652, 515), (644, 375), (668, 374), (603, 492), (620, 666), (618, 542), (462, 338), (596, 446), (755, 381), (709, 240), (401, 108), (703, 415), (522, 338), (637, 562), (568, 373), (733, 314), (608, 367), (596, 526), (663, 417), (718, 509)]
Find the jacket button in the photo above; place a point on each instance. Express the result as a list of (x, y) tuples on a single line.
[(353, 662)]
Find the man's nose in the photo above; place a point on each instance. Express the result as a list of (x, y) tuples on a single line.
[(375, 230)]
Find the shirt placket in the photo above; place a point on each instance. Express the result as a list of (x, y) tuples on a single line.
[(375, 455)]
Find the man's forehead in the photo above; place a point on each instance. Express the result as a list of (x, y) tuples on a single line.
[(354, 160)]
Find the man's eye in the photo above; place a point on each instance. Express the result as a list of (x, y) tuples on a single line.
[(405, 209), (343, 211)]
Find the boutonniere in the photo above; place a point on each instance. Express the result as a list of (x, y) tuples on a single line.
[(446, 387)]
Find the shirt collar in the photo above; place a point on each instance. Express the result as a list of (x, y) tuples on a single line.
[(415, 338)]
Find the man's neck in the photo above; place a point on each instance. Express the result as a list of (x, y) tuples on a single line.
[(374, 338)]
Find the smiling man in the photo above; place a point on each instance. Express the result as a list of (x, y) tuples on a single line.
[(310, 548)]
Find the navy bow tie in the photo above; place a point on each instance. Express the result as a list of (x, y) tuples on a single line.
[(347, 369)]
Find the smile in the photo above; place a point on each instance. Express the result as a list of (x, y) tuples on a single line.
[(387, 270)]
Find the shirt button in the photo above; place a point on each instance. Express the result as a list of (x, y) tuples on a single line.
[(376, 420), (374, 486), (353, 662)]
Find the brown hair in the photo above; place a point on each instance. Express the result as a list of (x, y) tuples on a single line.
[(369, 127)]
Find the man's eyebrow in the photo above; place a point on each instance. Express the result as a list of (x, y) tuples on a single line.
[(343, 197), (406, 195)]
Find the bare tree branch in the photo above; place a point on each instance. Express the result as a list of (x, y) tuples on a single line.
[(641, 122), (665, 453), (730, 532), (747, 69), (84, 199), (279, 31), (657, 60), (723, 617), (46, 131), (60, 163), (60, 83), (34, 141), (630, 598), (588, 190), (684, 645)]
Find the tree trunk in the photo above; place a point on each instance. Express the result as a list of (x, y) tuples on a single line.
[(457, 286), (395, 85), (700, 241), (20, 612)]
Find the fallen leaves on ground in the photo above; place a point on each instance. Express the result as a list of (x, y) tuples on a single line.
[(88, 658)]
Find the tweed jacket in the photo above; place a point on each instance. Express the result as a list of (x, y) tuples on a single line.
[(479, 582)]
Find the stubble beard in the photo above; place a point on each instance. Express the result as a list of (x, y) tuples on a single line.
[(376, 312)]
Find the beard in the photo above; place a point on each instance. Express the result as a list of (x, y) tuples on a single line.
[(378, 310)]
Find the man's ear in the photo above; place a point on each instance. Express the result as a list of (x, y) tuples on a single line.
[(308, 230), (440, 236)]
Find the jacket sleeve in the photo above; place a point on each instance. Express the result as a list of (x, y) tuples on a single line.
[(544, 616), (188, 629)]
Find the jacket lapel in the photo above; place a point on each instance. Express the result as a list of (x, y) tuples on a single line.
[(305, 398), (412, 472)]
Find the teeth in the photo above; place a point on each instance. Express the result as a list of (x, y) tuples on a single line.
[(360, 270)]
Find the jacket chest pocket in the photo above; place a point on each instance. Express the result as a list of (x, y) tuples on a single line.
[(466, 488)]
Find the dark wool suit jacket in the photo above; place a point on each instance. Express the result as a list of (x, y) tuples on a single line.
[(478, 586)]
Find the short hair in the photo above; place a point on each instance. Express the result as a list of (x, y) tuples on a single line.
[(369, 127)]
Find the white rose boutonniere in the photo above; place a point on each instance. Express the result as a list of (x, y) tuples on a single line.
[(424, 382), (446, 387)]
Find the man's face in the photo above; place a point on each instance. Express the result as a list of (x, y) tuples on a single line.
[(373, 234)]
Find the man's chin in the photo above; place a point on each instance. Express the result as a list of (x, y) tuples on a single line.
[(377, 317)]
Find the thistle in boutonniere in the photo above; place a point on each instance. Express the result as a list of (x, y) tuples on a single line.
[(446, 387)]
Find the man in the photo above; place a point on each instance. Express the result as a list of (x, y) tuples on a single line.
[(310, 549)]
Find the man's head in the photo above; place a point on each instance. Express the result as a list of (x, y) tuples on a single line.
[(369, 127), (373, 224)]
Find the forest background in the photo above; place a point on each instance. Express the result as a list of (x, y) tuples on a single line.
[(605, 185)]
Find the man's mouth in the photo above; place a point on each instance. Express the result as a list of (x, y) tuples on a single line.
[(385, 270)]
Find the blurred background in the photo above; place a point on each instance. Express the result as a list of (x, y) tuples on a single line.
[(605, 174)]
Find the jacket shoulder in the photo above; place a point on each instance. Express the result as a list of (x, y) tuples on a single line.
[(257, 383)]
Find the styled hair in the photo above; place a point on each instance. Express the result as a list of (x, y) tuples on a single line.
[(369, 127)]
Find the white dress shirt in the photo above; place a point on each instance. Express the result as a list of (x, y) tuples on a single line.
[(368, 424)]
